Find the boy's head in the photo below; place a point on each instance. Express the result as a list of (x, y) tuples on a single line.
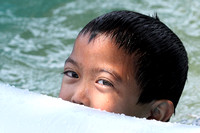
[(126, 62)]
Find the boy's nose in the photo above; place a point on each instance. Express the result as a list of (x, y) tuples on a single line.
[(80, 96)]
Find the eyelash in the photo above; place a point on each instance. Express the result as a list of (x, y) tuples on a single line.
[(75, 75), (72, 75), (105, 83)]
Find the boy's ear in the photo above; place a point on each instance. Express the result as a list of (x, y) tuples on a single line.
[(162, 110)]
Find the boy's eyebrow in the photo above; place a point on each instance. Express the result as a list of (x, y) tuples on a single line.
[(113, 73), (71, 61)]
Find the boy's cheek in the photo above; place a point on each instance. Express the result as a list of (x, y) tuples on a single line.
[(104, 101), (65, 92)]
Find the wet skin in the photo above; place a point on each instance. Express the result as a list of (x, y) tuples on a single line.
[(97, 74)]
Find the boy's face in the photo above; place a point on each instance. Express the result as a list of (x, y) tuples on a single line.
[(99, 75)]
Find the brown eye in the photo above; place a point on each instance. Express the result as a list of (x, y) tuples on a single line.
[(71, 74), (104, 82)]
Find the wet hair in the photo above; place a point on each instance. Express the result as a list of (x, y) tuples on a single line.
[(161, 63)]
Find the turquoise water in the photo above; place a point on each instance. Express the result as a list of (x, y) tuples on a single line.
[(36, 36)]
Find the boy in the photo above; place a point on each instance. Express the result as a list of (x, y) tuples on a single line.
[(126, 62)]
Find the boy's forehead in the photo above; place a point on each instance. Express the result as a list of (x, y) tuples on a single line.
[(103, 40), (99, 42), (101, 46), (92, 37)]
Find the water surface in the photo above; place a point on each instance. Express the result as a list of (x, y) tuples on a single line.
[(36, 36)]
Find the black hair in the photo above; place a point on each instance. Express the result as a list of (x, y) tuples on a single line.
[(162, 63)]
